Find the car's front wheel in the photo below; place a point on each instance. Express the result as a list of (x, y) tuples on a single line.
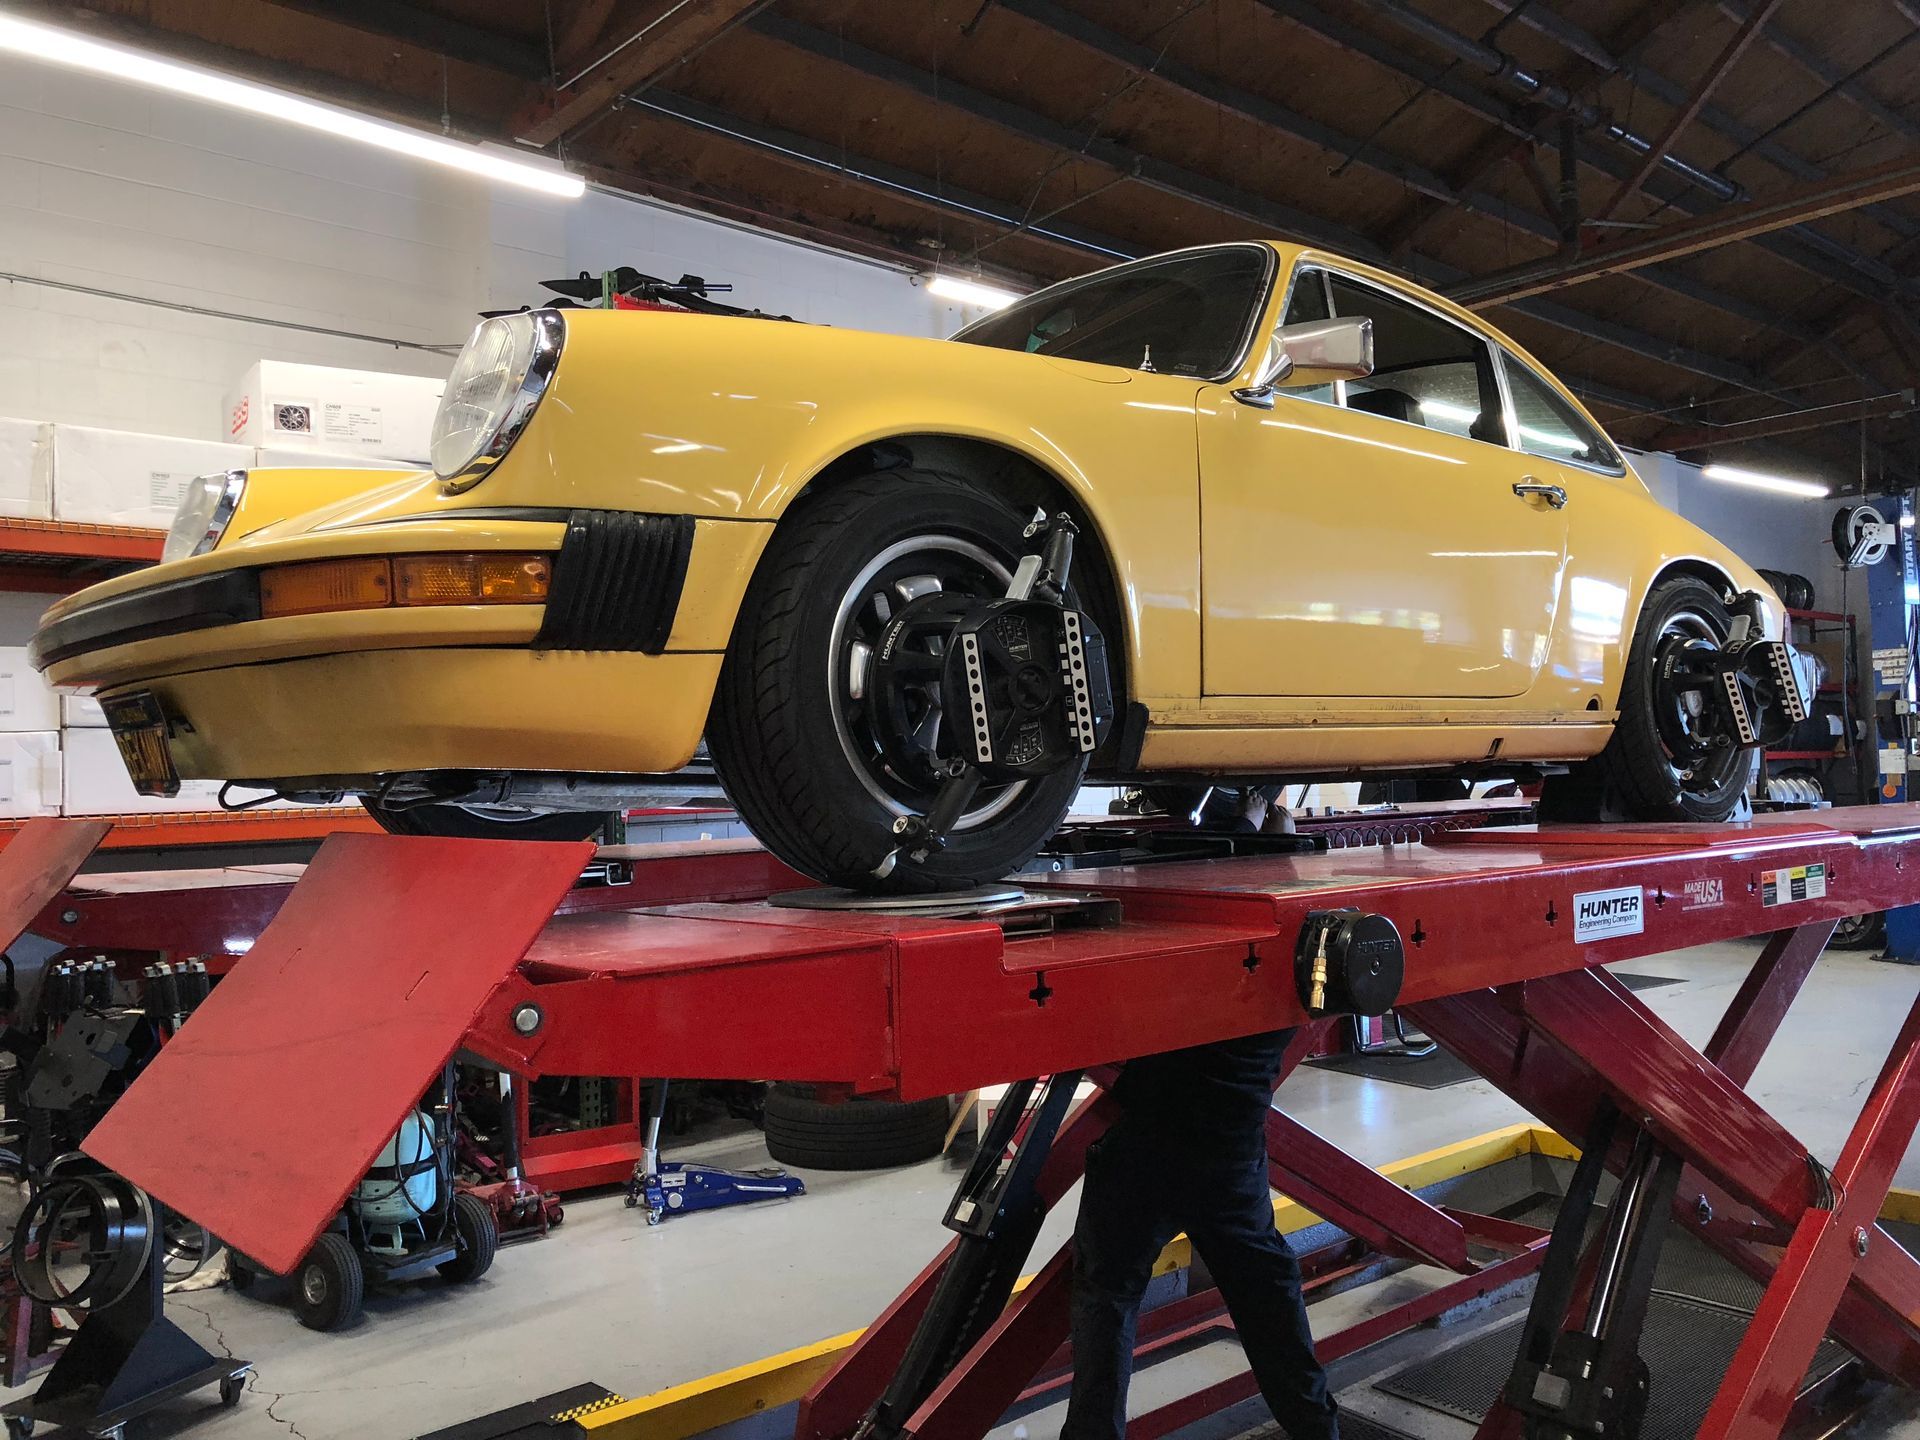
[(822, 742), (1666, 760)]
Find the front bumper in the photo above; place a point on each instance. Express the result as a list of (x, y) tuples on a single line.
[(614, 673), (617, 584), (384, 711)]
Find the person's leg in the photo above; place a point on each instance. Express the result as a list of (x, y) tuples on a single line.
[(1121, 1229), (1233, 1231)]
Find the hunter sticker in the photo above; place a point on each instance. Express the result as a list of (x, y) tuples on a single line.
[(1603, 914), (1802, 882)]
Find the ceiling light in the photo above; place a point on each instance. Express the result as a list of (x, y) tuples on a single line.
[(117, 62), (1778, 483), (971, 292)]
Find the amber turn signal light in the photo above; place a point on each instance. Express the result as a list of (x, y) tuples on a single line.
[(470, 579), (321, 585), (374, 583)]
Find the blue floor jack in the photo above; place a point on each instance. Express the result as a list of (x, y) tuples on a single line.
[(668, 1187)]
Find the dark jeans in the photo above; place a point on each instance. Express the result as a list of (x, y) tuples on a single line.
[(1148, 1179)]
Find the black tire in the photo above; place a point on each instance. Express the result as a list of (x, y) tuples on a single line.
[(456, 823), (1860, 932), (477, 1235), (822, 800), (241, 1277), (1645, 777), (856, 1134), (329, 1285)]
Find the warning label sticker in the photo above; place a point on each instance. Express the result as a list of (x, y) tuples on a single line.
[(1801, 882), (1603, 914)]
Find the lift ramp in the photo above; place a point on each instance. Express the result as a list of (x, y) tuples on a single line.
[(392, 953), (258, 1117)]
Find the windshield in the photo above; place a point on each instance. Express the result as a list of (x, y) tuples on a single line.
[(1186, 314)]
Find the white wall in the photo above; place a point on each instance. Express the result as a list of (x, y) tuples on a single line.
[(1769, 531), (113, 187)]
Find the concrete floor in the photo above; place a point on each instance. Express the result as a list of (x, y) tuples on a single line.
[(636, 1309)]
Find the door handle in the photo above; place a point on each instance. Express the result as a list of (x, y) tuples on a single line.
[(1531, 489)]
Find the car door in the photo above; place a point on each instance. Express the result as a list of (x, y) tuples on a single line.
[(1377, 537)]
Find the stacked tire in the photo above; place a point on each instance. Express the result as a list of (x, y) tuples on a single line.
[(806, 1131)]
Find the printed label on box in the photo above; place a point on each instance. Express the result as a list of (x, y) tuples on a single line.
[(1801, 882), (165, 489), (351, 424), (1603, 914)]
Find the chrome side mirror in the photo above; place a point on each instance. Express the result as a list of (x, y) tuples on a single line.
[(1315, 352)]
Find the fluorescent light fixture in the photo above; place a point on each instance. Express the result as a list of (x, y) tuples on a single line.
[(1777, 483), (971, 292), (118, 62)]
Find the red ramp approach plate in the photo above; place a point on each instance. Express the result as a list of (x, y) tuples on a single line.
[(268, 1106)]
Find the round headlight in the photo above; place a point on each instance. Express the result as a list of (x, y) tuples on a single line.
[(496, 383), (204, 514)]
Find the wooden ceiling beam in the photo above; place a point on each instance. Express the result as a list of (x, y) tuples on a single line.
[(1725, 226), (1689, 111), (1794, 422), (666, 41)]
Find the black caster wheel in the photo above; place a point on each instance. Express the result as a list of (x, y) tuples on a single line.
[(232, 1387), (19, 1427)]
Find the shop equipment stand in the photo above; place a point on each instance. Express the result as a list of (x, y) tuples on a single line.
[(394, 953)]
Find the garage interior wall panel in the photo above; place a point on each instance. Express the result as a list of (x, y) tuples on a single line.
[(112, 187)]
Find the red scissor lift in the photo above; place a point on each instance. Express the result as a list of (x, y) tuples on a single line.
[(390, 955)]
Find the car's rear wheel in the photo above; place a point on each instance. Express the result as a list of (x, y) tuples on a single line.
[(486, 822), (1664, 761), (821, 763)]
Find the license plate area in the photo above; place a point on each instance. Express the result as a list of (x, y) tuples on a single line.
[(139, 728)]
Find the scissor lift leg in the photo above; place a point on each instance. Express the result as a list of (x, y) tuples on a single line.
[(1029, 1335), (1556, 1044)]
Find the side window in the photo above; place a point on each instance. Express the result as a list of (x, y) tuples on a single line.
[(1306, 302), (1551, 428), (1426, 370)]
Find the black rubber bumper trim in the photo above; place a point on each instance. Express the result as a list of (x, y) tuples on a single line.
[(226, 597), (617, 582)]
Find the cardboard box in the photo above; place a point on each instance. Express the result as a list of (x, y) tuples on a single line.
[(24, 494), (95, 782), (30, 774), (81, 712), (115, 477), (20, 612), (26, 701), (282, 406)]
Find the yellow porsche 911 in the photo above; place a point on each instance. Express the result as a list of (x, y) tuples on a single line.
[(1244, 512)]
